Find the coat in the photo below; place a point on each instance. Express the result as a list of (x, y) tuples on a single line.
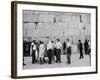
[(41, 50)]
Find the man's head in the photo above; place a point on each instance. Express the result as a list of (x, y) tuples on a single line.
[(85, 40), (51, 41), (79, 40), (67, 39), (58, 40), (34, 41)]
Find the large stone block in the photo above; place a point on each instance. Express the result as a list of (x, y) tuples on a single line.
[(45, 18)]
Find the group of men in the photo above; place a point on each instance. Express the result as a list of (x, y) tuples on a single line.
[(51, 50), (87, 48)]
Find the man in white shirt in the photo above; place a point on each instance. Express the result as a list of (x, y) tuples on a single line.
[(58, 51), (53, 51), (49, 51)]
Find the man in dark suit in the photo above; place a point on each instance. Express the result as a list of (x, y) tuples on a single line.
[(68, 47), (86, 47), (64, 47), (33, 51), (81, 49)]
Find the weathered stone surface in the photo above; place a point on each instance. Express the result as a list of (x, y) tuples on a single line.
[(41, 25)]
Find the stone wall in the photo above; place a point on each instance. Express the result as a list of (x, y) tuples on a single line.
[(40, 25)]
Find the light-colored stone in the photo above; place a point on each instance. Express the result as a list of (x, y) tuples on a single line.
[(74, 26)]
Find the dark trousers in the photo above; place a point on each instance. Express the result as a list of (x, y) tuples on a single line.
[(68, 58), (42, 60), (53, 54), (33, 56), (89, 51), (86, 50), (58, 55), (49, 53), (81, 54)]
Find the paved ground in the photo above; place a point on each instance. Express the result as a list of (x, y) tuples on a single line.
[(75, 62)]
